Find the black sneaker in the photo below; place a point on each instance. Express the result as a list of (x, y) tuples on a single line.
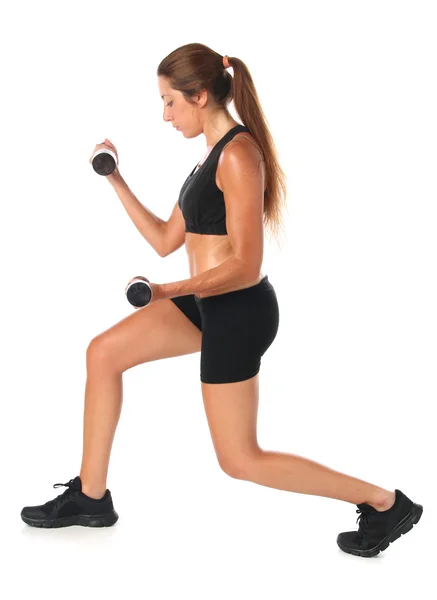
[(378, 529), (72, 507)]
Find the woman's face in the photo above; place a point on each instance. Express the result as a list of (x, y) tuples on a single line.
[(178, 111)]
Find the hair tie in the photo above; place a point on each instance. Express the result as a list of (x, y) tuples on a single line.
[(226, 62)]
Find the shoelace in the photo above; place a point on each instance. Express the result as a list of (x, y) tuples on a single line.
[(364, 522), (68, 485)]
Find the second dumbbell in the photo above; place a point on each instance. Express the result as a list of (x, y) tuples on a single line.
[(139, 293)]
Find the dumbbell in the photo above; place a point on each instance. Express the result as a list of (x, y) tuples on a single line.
[(139, 292), (104, 161)]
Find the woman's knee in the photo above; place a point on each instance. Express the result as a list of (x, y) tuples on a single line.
[(100, 350)]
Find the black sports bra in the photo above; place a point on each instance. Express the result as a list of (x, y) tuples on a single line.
[(200, 200)]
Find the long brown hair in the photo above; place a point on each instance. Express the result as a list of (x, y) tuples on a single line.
[(194, 67)]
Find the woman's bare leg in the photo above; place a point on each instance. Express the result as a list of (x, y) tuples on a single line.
[(103, 401), (232, 410), (153, 332), (295, 473)]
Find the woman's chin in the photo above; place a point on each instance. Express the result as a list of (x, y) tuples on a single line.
[(188, 133)]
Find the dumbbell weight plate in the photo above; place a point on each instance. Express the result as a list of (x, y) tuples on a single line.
[(104, 161), (139, 293)]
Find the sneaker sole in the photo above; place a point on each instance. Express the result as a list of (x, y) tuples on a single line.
[(104, 520), (403, 527)]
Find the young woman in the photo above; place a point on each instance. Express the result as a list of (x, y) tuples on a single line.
[(227, 309)]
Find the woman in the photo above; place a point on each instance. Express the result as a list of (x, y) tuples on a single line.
[(227, 310)]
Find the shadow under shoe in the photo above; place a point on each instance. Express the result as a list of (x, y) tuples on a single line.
[(377, 529), (72, 507)]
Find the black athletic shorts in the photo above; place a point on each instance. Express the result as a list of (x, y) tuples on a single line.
[(237, 328)]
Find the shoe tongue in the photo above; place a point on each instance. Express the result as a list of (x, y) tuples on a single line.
[(77, 484)]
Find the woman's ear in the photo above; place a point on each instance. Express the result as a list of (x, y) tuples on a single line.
[(202, 98)]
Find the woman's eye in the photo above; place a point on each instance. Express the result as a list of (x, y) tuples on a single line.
[(170, 103)]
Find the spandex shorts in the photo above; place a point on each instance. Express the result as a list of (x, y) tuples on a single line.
[(237, 328)]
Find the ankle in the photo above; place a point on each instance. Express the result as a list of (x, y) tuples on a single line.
[(383, 501), (94, 493), (93, 489)]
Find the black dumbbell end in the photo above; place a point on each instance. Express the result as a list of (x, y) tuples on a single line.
[(104, 161), (139, 293)]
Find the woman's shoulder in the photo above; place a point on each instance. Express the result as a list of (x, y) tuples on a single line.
[(250, 140)]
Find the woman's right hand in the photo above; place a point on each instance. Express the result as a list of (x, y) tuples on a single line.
[(110, 146)]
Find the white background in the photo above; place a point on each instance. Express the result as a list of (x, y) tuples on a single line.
[(349, 91)]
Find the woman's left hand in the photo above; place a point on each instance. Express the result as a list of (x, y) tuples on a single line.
[(156, 292)]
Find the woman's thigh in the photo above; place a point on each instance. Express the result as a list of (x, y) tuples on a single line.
[(160, 330)]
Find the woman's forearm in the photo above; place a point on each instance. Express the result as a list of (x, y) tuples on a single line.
[(151, 227)]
